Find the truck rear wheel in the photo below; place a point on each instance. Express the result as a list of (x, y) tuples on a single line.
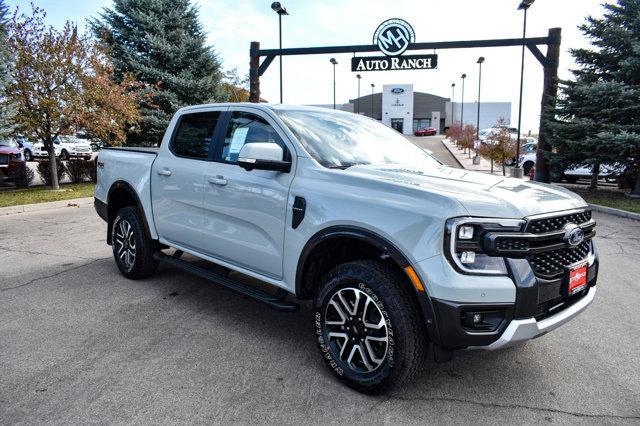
[(368, 326), (133, 251)]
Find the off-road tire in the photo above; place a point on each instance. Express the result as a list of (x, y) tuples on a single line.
[(145, 262), (392, 294)]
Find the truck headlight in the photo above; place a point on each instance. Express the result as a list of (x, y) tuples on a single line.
[(463, 244)]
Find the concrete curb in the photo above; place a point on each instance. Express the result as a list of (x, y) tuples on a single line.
[(452, 154), (25, 208), (615, 212)]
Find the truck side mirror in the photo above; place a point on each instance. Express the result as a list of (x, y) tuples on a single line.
[(263, 156)]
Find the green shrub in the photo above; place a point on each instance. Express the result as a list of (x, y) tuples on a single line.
[(23, 176), (44, 171), (80, 170)]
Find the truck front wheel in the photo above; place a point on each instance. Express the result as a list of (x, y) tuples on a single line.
[(133, 250), (368, 326)]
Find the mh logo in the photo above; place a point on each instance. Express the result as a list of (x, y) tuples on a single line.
[(393, 36)]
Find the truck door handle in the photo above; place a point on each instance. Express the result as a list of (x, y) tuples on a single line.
[(164, 172), (218, 180)]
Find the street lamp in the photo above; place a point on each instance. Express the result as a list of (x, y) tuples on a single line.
[(462, 103), (358, 76), (334, 62), (280, 10), (453, 94), (476, 159), (524, 5), (372, 87)]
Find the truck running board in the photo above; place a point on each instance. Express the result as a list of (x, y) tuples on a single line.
[(276, 301)]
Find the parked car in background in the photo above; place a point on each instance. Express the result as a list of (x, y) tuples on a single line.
[(40, 153), (607, 171), (484, 134), (426, 131), (529, 146), (66, 147), (11, 159), (25, 147)]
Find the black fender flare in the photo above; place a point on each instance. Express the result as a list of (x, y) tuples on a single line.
[(384, 246), (126, 186), (352, 232)]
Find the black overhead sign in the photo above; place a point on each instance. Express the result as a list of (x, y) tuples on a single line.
[(393, 37), (393, 63)]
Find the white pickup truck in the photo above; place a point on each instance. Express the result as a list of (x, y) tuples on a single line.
[(398, 252), (65, 147)]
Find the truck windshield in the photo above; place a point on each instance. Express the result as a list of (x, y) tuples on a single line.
[(341, 140)]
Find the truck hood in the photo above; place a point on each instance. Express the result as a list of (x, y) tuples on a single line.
[(9, 151), (481, 194)]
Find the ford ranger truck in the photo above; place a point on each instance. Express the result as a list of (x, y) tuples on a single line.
[(397, 252)]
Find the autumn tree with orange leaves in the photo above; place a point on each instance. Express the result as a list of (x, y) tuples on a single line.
[(62, 82)]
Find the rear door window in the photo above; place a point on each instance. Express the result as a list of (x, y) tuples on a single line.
[(194, 134)]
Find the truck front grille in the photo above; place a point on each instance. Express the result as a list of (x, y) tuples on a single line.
[(551, 264), (555, 223)]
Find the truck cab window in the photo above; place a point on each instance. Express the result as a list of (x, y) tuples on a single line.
[(247, 128), (194, 133)]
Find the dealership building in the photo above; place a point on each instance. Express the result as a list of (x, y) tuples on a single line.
[(399, 107)]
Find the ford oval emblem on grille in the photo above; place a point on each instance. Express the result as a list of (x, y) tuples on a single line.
[(573, 235)]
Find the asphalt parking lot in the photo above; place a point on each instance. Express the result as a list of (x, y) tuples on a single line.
[(80, 343)]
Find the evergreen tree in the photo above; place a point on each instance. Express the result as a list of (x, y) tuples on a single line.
[(597, 117), (6, 111), (163, 44)]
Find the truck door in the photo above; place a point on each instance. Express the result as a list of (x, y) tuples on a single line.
[(245, 211), (177, 176)]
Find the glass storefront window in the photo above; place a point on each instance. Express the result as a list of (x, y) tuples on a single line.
[(421, 123)]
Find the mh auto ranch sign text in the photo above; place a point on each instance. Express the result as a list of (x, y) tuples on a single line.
[(393, 37), (386, 63)]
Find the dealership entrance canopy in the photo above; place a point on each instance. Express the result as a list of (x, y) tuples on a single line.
[(395, 36)]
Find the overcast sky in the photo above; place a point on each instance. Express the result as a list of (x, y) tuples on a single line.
[(232, 25)]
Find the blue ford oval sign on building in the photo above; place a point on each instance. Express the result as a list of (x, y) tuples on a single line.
[(397, 90)]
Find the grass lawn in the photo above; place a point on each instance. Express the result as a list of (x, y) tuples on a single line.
[(43, 195), (610, 198)]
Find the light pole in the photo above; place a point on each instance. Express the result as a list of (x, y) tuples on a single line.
[(358, 76), (462, 103), (517, 170), (334, 62), (372, 87), (453, 94), (476, 159), (280, 10)]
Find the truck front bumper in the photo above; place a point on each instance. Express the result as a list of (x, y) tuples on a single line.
[(534, 306), (521, 330)]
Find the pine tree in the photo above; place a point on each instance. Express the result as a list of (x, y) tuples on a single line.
[(6, 110), (163, 44), (597, 117)]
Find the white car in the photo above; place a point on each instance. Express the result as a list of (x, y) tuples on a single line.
[(484, 134), (26, 148), (528, 161), (66, 147)]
